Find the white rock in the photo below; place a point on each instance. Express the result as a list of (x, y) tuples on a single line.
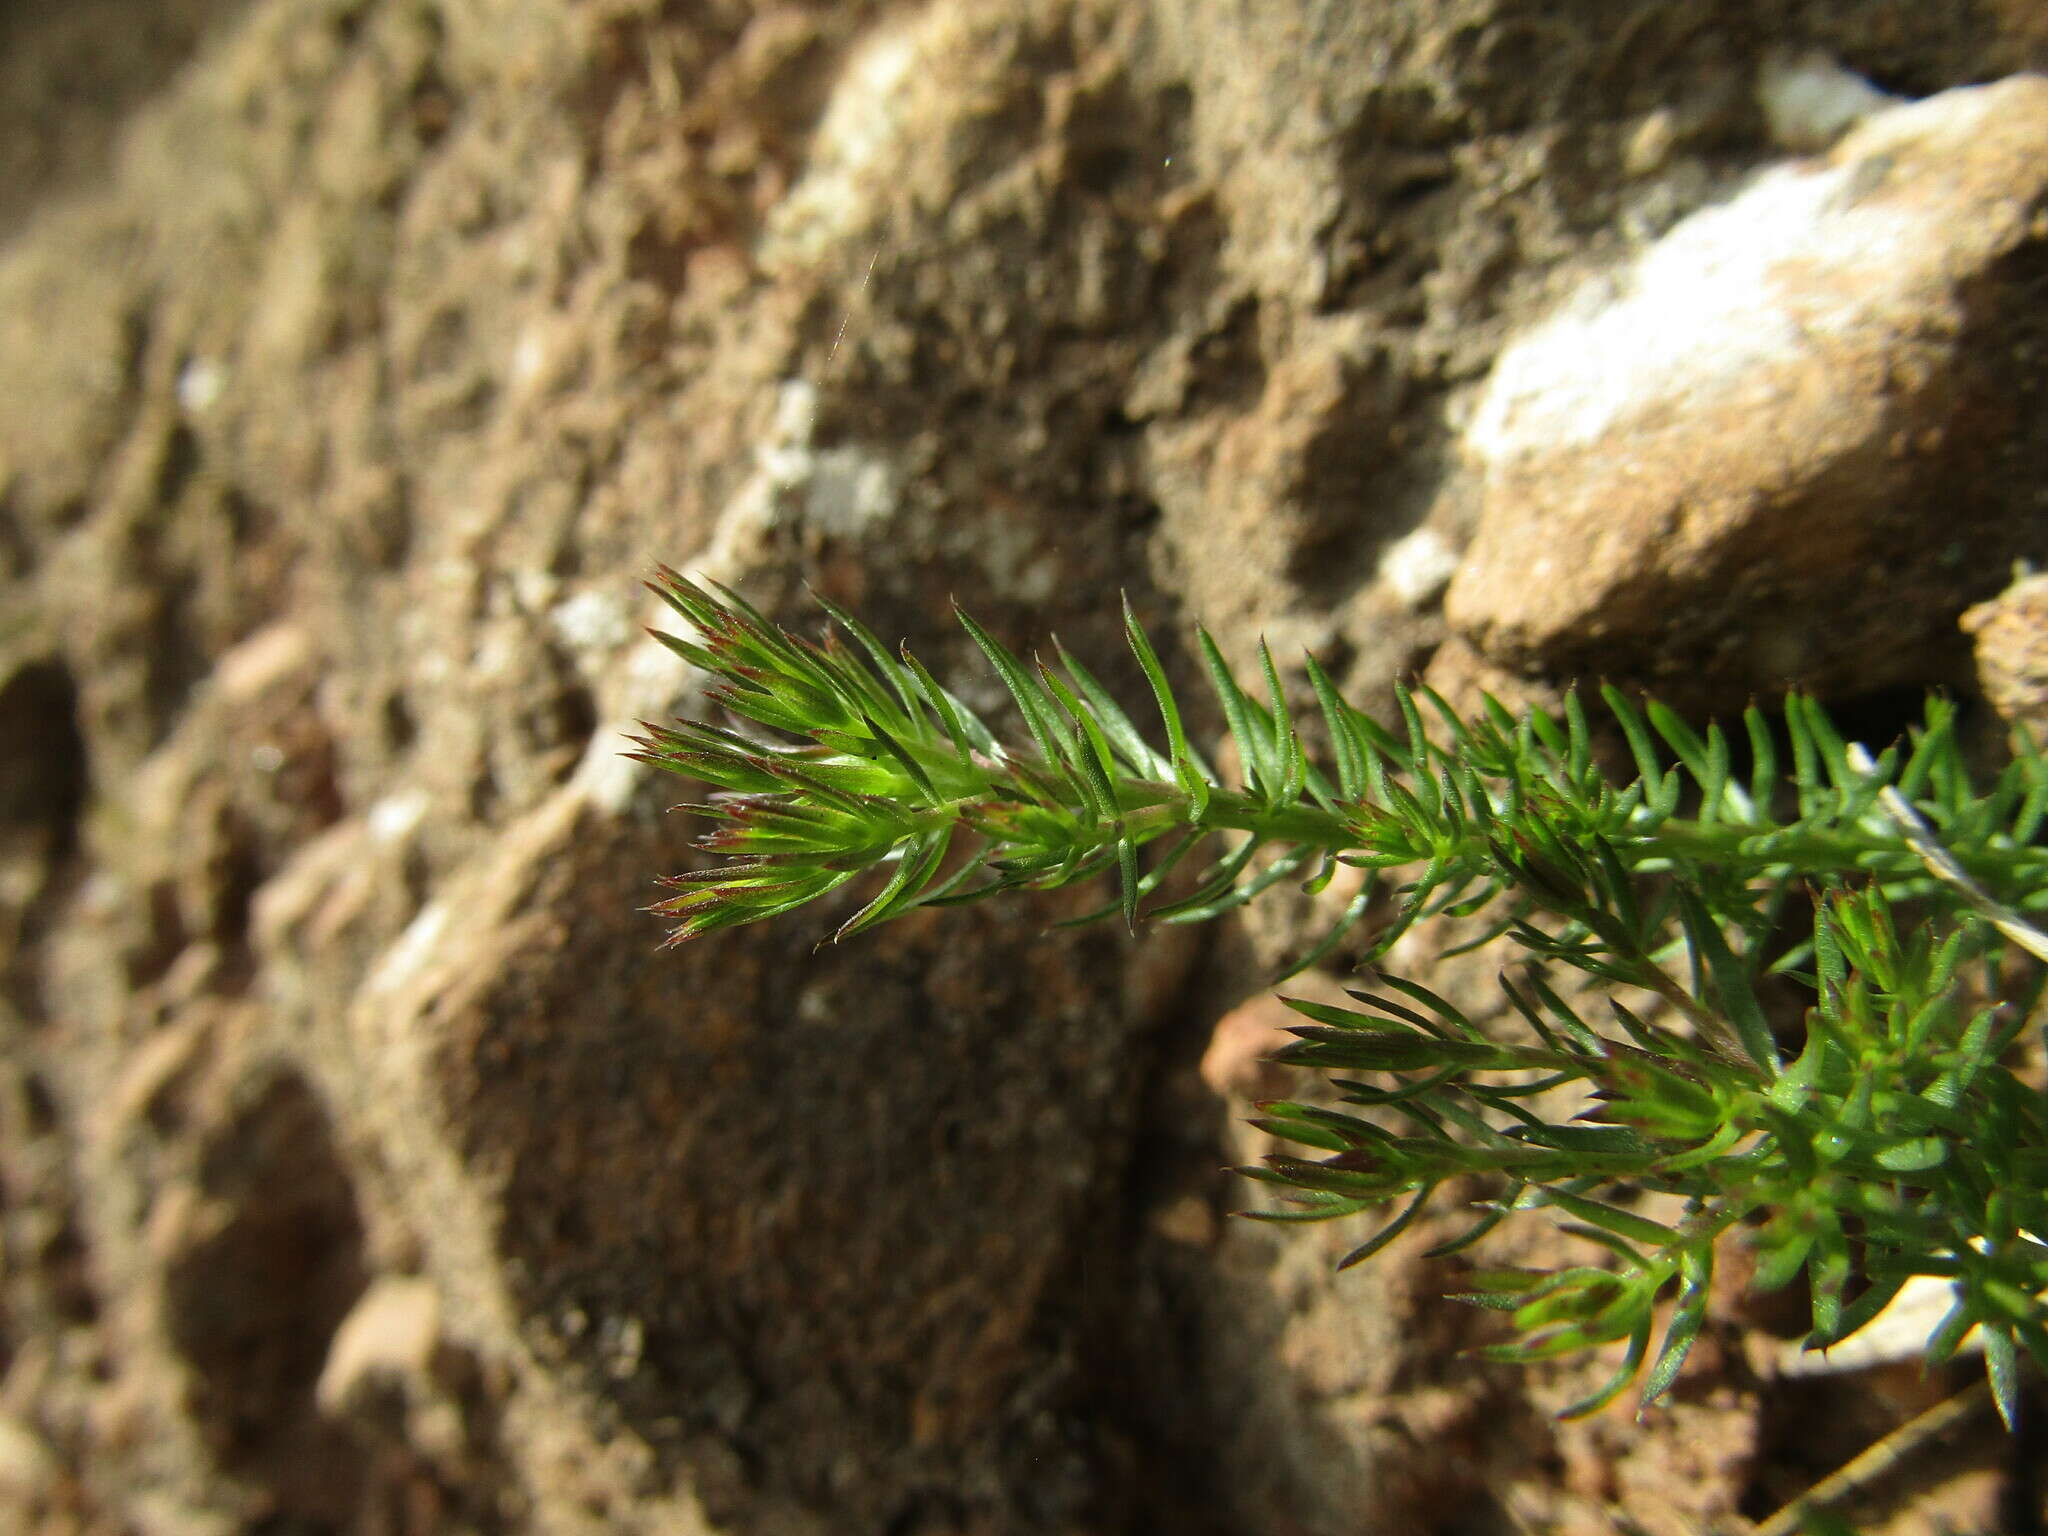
[(591, 621), (392, 817), (388, 1338), (410, 953), (1809, 100), (1417, 567), (1757, 453), (199, 385)]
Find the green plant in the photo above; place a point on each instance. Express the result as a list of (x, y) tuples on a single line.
[(1885, 1136)]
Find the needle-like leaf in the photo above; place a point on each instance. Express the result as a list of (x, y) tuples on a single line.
[(1898, 1141)]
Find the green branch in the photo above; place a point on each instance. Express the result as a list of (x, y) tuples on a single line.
[(1886, 1138)]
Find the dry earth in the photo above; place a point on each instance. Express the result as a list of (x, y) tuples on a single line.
[(363, 1169)]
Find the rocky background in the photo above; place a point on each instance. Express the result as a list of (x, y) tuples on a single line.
[(362, 1167)]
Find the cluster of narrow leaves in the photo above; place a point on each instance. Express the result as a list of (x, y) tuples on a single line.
[(1888, 1138), (1893, 1143)]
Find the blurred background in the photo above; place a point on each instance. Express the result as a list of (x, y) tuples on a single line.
[(364, 1170)]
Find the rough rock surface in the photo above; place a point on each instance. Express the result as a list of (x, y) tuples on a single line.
[(362, 1168), (1811, 398), (2011, 636)]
